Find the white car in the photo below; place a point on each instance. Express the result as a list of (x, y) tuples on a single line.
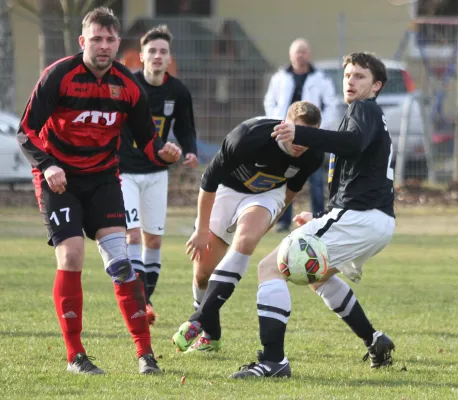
[(391, 99), (14, 166)]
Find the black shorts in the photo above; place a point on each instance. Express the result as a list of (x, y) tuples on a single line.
[(90, 202)]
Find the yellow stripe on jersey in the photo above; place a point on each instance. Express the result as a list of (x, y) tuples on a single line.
[(332, 161), (262, 182), (159, 123)]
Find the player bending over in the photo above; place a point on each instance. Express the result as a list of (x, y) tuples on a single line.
[(244, 190)]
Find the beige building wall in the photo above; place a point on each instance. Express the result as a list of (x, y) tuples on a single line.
[(373, 25), (26, 32)]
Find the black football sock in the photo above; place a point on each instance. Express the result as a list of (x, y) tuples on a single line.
[(274, 309), (220, 287), (339, 297), (152, 262)]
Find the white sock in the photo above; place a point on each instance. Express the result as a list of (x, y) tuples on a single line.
[(337, 295), (198, 295)]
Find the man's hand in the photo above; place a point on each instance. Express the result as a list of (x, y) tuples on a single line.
[(170, 153), (197, 244), (303, 218), (284, 132), (191, 160), (56, 179)]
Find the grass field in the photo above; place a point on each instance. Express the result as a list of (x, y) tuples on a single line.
[(409, 291)]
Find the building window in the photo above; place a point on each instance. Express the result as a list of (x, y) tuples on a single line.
[(181, 8)]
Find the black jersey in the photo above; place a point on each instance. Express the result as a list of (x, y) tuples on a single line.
[(251, 161), (170, 103), (360, 169)]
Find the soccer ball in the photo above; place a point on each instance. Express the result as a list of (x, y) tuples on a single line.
[(302, 258)]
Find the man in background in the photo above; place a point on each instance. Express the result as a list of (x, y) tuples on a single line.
[(301, 81), (145, 184)]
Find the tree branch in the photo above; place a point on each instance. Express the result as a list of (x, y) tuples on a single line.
[(90, 4)]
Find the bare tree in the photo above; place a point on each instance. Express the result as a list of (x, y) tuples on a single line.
[(60, 23), (7, 77), (51, 40)]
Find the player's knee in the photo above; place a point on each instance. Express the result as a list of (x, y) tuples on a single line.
[(151, 241), (324, 279), (113, 249), (201, 279), (267, 269), (245, 243), (134, 236), (121, 271), (70, 260)]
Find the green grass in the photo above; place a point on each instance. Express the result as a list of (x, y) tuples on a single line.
[(408, 291)]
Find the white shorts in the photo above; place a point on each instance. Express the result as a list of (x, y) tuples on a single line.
[(352, 237), (229, 205), (145, 200)]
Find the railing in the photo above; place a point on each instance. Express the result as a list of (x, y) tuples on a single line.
[(400, 176)]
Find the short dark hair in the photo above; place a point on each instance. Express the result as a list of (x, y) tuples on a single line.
[(102, 16), (371, 61), (307, 112), (157, 32)]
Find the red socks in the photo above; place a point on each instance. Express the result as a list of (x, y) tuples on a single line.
[(68, 299), (131, 301)]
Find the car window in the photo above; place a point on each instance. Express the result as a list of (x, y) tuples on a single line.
[(6, 128), (394, 85)]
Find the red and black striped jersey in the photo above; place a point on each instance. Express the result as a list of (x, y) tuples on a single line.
[(73, 120)]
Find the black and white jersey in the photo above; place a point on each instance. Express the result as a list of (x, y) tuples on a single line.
[(169, 102), (251, 161), (360, 170)]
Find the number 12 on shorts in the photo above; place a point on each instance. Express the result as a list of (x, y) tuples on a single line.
[(65, 214)]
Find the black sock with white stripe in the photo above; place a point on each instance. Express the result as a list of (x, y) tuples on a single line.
[(220, 287), (214, 324), (134, 252), (274, 309), (152, 263), (339, 297)]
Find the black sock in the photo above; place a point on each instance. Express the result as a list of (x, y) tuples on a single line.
[(339, 297), (152, 277), (152, 261), (208, 312), (274, 308), (359, 324), (272, 333), (220, 287)]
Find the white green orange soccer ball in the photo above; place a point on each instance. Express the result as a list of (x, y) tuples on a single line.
[(302, 258)]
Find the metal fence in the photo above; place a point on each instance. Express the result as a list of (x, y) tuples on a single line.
[(228, 77), (228, 74)]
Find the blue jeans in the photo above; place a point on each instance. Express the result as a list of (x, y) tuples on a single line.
[(316, 196)]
